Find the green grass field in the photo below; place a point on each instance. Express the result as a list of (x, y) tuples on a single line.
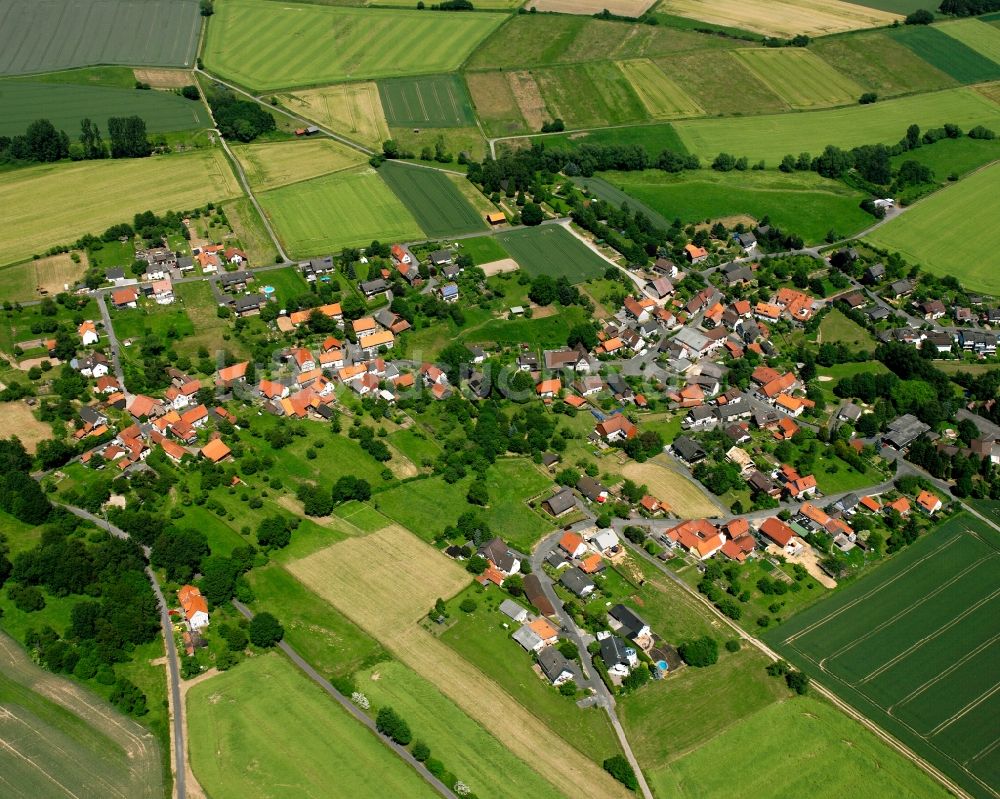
[(43, 37), (469, 752), (483, 249), (552, 250), (65, 104), (709, 78), (274, 164), (346, 209), (589, 95), (836, 327), (802, 202), (435, 202), (603, 190), (237, 719), (661, 95), (773, 136), (304, 44), (948, 53), (832, 756), (957, 156), (42, 202), (895, 6), (437, 101), (799, 77), (655, 138), (910, 645), (961, 217), (979, 36)]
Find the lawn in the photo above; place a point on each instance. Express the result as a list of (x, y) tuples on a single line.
[(165, 321), (596, 94), (211, 332), (708, 77), (663, 97), (800, 77), (948, 53), (980, 36), (773, 136), (42, 37), (65, 104), (802, 202), (952, 156), (910, 644), (780, 17), (832, 756), (268, 166), (880, 63), (351, 109), (962, 215), (59, 739), (42, 201), (415, 445), (287, 283), (346, 209), (549, 331), (304, 44), (468, 751), (482, 249), (435, 202), (236, 718), (552, 250), (436, 101), (836, 327)]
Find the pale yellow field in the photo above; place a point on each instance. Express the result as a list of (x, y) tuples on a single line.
[(32, 280), (17, 419), (165, 78), (663, 98), (991, 91), (781, 17), (385, 582), (667, 485), (57, 203), (268, 166), (799, 77), (622, 8), (353, 109), (529, 99)]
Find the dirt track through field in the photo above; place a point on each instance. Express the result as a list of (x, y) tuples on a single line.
[(385, 582)]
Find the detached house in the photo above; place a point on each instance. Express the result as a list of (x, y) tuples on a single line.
[(88, 333), (616, 428), (195, 607), (618, 657)]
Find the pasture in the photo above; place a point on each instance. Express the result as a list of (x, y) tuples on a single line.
[(773, 136), (948, 156), (43, 37), (435, 202), (799, 77), (962, 215), (65, 104), (351, 109), (437, 101), (304, 44), (979, 36), (802, 202), (708, 77), (59, 740), (833, 756), (361, 577), (346, 209), (686, 498), (235, 718), (274, 164), (26, 281), (552, 250), (947, 53), (42, 202), (663, 98), (911, 646), (596, 94), (781, 17), (470, 752)]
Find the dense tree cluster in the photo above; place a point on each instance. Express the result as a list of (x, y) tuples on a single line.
[(619, 768), (243, 120), (968, 8), (700, 652), (20, 494)]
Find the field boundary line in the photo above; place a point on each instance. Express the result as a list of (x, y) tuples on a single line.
[(904, 612), (963, 711), (984, 751), (942, 674), (930, 637)]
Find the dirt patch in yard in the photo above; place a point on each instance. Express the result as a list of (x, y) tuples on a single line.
[(810, 560), (164, 78), (503, 265), (17, 419), (27, 363)]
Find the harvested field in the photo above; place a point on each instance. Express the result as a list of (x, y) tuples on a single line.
[(165, 78), (43, 37), (668, 485), (495, 103), (34, 279), (474, 196), (663, 98), (268, 166), (529, 99), (42, 201), (620, 8), (361, 578), (436, 101), (781, 17), (16, 417), (353, 109), (799, 77), (720, 83), (59, 740), (496, 267)]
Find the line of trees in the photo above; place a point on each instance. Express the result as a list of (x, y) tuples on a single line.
[(43, 143)]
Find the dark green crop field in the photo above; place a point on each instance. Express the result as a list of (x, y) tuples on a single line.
[(914, 646), (65, 104), (437, 101), (552, 250), (947, 54), (46, 36), (435, 202)]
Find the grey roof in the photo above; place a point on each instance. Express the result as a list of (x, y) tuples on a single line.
[(746, 239), (527, 638), (441, 256), (561, 501), (905, 430), (613, 651), (576, 581), (497, 551), (374, 286), (758, 481), (185, 260), (249, 301), (589, 487), (118, 273), (692, 339), (849, 411), (536, 596), (233, 278), (553, 664), (90, 414), (688, 448), (512, 610), (385, 317), (630, 621)]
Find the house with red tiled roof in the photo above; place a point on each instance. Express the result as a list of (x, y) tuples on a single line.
[(870, 503), (616, 428), (195, 607), (694, 253), (781, 534), (785, 429), (88, 333), (231, 375), (107, 384), (573, 545), (928, 502), (698, 537), (142, 407), (801, 487), (271, 390), (216, 450), (901, 506), (549, 388), (125, 298)]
